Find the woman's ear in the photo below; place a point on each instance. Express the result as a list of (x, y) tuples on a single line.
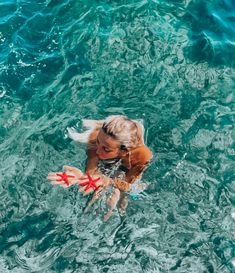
[(123, 147), (123, 150)]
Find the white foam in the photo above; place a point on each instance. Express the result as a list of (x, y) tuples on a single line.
[(233, 214), (80, 137)]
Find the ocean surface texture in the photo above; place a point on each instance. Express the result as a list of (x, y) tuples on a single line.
[(170, 63)]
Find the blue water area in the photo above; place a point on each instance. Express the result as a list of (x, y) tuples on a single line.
[(170, 63)]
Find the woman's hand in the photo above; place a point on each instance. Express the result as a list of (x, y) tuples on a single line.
[(72, 176), (67, 178), (91, 183)]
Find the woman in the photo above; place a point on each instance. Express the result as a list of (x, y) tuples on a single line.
[(116, 153)]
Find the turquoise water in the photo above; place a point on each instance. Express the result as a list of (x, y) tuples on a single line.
[(169, 63)]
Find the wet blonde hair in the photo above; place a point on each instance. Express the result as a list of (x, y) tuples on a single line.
[(130, 133)]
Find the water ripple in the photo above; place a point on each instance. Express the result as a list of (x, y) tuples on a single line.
[(168, 63)]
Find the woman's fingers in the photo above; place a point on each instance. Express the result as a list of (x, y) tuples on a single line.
[(58, 175), (88, 191), (101, 182), (65, 185), (53, 176), (74, 170), (108, 215), (57, 183), (71, 177), (82, 189), (83, 177), (73, 181), (85, 192), (69, 168)]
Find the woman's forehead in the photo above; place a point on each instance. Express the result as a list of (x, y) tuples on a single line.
[(107, 140)]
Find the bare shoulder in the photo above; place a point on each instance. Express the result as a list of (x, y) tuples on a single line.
[(141, 155)]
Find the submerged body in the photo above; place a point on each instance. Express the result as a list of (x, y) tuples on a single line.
[(116, 158), (116, 153)]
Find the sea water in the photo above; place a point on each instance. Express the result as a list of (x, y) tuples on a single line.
[(168, 63)]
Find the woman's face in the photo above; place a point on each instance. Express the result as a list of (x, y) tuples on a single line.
[(107, 146)]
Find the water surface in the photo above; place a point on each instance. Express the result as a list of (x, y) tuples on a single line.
[(169, 63)]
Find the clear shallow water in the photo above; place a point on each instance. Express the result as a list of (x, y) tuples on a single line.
[(170, 63)]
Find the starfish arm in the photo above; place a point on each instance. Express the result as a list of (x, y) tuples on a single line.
[(70, 176), (66, 181), (96, 179), (64, 177), (59, 180), (84, 183), (89, 177), (95, 187), (87, 188), (90, 183)]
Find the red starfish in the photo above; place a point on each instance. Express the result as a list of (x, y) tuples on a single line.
[(64, 177), (90, 183)]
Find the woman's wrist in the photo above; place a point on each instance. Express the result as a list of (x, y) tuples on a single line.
[(105, 179), (121, 184)]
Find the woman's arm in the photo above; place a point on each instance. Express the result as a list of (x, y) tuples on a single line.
[(132, 175), (139, 161), (92, 161), (92, 158)]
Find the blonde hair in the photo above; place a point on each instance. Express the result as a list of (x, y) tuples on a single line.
[(130, 133)]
